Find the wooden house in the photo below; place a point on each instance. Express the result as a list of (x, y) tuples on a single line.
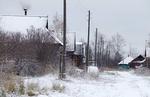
[(24, 25), (75, 50), (138, 61), (79, 55)]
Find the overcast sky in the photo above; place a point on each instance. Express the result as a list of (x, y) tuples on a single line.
[(130, 18)]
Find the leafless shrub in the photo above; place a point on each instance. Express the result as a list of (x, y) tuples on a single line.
[(12, 84), (59, 87), (27, 54), (21, 89), (2, 93), (32, 89), (31, 93)]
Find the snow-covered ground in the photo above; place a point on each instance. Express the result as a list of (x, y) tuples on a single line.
[(109, 84)]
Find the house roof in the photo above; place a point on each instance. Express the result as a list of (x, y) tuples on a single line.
[(139, 59), (23, 23), (126, 60), (56, 40)]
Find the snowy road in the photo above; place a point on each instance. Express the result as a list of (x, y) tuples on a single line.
[(110, 84)]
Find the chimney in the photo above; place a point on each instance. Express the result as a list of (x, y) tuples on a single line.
[(25, 11)]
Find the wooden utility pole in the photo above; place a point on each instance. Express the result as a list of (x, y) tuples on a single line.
[(74, 41), (145, 49), (146, 54), (64, 42), (88, 40), (96, 47)]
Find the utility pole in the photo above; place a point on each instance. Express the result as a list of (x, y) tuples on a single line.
[(74, 41), (145, 48), (64, 42), (96, 47), (146, 54), (98, 51), (88, 40)]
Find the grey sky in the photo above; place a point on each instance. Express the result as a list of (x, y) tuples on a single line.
[(130, 18)]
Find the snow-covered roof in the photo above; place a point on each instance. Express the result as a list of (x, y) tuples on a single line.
[(126, 60), (140, 59), (80, 49), (22, 23), (55, 38), (79, 43), (140, 62)]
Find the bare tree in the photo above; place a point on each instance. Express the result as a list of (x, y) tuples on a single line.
[(30, 53), (109, 52), (133, 52), (101, 44), (57, 25), (118, 44)]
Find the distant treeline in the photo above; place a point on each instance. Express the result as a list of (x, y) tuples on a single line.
[(109, 51)]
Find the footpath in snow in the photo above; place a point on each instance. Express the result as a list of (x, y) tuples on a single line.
[(109, 84)]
